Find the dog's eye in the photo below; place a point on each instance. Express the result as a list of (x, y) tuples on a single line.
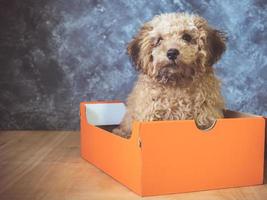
[(158, 41), (187, 37)]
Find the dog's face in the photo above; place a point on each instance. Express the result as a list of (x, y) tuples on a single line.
[(176, 48)]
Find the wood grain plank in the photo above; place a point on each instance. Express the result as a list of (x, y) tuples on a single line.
[(47, 165)]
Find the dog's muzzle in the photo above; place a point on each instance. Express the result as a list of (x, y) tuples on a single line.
[(167, 74), (175, 74)]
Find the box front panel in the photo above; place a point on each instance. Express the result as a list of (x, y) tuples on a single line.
[(178, 157)]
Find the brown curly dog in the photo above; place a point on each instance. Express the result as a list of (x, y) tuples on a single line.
[(174, 54)]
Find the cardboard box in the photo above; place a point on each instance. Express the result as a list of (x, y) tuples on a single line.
[(164, 157)]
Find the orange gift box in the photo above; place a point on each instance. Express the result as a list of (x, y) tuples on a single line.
[(164, 157)]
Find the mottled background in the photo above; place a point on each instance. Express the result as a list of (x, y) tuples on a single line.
[(56, 53)]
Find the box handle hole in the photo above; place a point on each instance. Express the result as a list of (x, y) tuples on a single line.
[(208, 128)]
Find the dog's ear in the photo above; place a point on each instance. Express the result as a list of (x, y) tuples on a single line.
[(216, 44), (135, 46), (133, 50)]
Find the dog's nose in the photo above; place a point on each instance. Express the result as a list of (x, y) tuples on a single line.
[(172, 54)]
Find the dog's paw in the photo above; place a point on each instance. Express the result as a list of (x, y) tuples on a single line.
[(120, 132)]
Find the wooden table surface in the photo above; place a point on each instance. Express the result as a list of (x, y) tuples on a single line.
[(47, 165)]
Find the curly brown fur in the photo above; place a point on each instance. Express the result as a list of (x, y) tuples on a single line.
[(180, 88)]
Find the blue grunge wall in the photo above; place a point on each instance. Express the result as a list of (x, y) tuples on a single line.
[(57, 53)]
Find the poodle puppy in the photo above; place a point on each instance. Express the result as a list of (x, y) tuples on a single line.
[(174, 54)]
